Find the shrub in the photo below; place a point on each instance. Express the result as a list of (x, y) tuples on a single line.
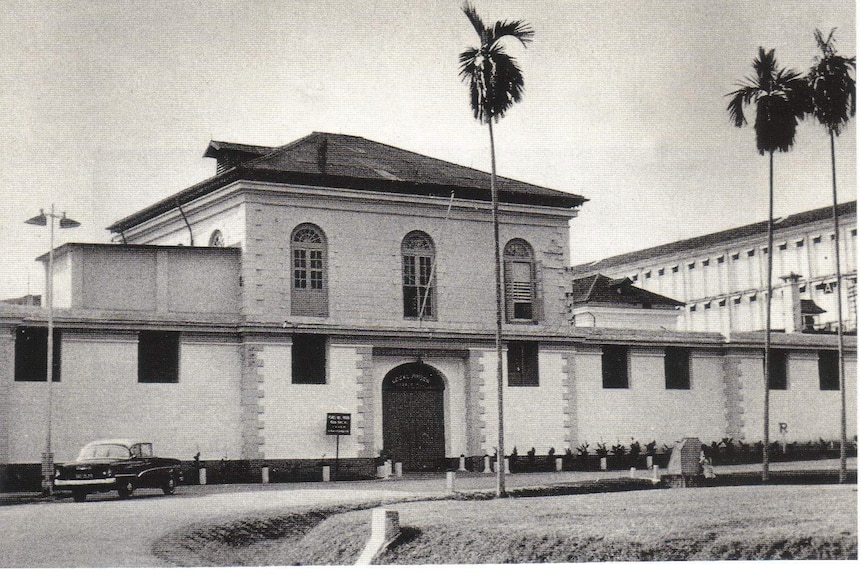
[(601, 449), (583, 449), (618, 450), (651, 448)]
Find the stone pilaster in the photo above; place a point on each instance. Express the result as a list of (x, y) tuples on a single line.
[(7, 379), (570, 408), (475, 398), (251, 391), (365, 416), (733, 400)]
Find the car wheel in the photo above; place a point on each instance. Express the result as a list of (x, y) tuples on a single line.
[(169, 486), (125, 489), (79, 495)]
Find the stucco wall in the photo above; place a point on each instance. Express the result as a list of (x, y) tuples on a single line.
[(364, 259), (100, 397), (294, 416), (646, 411), (809, 412)]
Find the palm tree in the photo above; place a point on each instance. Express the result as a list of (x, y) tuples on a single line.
[(781, 100), (833, 98), (496, 84)]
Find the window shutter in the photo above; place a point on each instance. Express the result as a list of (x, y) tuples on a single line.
[(508, 292), (538, 300)]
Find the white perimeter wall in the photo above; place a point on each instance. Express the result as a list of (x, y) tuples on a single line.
[(100, 397)]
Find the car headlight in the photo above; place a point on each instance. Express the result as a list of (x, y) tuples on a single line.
[(109, 473)]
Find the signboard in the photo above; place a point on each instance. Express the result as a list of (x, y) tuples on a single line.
[(337, 424)]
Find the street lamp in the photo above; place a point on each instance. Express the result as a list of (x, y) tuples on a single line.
[(65, 223)]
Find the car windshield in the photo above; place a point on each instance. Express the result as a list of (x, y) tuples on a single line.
[(104, 451)]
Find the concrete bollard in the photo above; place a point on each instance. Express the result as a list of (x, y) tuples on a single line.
[(388, 466), (325, 470), (264, 474), (603, 464), (487, 465), (450, 481), (655, 477), (506, 466), (462, 464), (558, 463), (385, 528), (632, 472), (398, 469), (202, 476), (649, 461)]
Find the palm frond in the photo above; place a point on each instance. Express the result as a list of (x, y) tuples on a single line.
[(517, 29), (832, 85), (781, 97), (470, 11)]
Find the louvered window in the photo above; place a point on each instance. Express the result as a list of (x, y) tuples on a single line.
[(308, 254), (522, 291)]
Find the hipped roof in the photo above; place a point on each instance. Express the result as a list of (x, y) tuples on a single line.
[(599, 288), (351, 162)]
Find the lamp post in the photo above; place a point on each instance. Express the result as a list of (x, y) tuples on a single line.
[(44, 219)]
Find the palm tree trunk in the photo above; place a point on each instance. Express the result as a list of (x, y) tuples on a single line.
[(842, 473), (765, 476), (498, 334)]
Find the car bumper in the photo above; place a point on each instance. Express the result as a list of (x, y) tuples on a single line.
[(85, 482)]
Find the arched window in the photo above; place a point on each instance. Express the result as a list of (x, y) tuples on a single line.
[(308, 262), (417, 257), (216, 239), (519, 271)]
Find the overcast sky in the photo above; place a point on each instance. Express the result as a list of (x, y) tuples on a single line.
[(107, 107)]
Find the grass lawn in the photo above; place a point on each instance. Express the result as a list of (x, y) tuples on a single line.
[(749, 522)]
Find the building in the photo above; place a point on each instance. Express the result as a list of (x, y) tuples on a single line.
[(721, 276), (340, 275)]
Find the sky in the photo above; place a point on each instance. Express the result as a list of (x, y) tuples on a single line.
[(107, 107)]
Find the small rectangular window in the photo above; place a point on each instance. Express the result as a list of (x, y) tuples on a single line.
[(635, 278), (523, 362), (31, 354), (782, 247), (159, 357), (308, 359), (677, 371), (720, 259), (817, 239), (705, 263), (751, 253), (800, 243), (707, 305), (852, 233), (752, 297), (722, 303), (765, 250), (661, 272), (737, 300), (693, 308), (777, 369), (802, 288), (827, 365), (615, 366), (674, 269), (691, 265), (734, 257), (648, 275)]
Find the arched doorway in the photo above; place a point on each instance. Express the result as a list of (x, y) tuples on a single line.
[(413, 431)]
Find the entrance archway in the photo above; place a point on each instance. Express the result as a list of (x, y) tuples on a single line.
[(413, 430)]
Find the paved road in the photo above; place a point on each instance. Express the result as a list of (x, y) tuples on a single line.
[(107, 532)]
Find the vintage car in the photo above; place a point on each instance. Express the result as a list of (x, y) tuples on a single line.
[(121, 464)]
